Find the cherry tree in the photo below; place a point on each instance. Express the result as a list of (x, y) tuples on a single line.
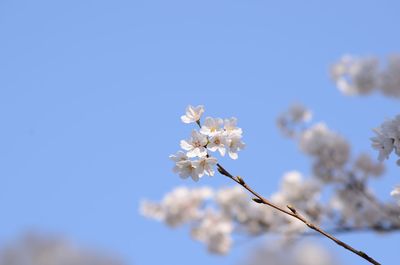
[(299, 208)]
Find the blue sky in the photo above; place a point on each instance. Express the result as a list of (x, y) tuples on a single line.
[(91, 93)]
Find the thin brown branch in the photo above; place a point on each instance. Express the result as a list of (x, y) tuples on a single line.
[(294, 213), (350, 229)]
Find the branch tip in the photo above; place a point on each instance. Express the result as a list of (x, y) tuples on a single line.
[(257, 200), (240, 179), (291, 208)]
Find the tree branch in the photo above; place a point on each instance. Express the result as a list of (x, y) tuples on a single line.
[(295, 214)]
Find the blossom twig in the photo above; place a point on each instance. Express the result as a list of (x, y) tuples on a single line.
[(294, 213)]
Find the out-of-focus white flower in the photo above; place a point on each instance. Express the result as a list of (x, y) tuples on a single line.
[(195, 146), (396, 193), (360, 76), (289, 121), (235, 202), (205, 165), (390, 77), (279, 253), (355, 76), (37, 249), (355, 209), (235, 144), (313, 254), (295, 190), (193, 114), (368, 167), (303, 194), (299, 113), (152, 210), (212, 126), (254, 218), (215, 231), (330, 150), (178, 207)]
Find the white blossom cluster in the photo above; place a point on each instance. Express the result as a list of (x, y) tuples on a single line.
[(35, 249), (187, 206), (214, 230), (360, 76), (178, 207), (214, 215), (214, 135)]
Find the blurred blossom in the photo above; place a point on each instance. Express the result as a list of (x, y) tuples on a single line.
[(289, 120), (236, 203), (355, 209), (360, 76), (180, 206), (329, 149), (35, 249), (302, 194), (313, 254), (390, 77), (368, 167), (215, 231), (396, 193), (306, 253), (355, 76)]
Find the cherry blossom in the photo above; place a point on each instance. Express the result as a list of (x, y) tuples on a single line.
[(196, 145), (218, 142), (212, 126), (205, 165), (235, 144), (193, 114)]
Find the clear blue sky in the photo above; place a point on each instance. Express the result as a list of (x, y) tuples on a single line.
[(91, 93)]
